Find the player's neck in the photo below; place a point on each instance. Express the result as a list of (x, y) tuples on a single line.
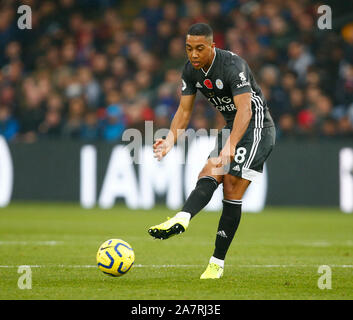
[(209, 64)]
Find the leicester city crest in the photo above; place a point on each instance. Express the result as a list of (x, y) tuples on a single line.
[(219, 84)]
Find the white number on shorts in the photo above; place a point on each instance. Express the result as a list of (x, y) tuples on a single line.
[(240, 155)]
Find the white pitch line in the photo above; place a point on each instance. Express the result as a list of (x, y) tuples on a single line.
[(317, 243), (26, 243), (292, 266), (185, 266)]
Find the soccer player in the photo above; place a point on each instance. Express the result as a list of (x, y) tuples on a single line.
[(226, 80)]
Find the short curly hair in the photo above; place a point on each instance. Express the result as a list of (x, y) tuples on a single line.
[(201, 29)]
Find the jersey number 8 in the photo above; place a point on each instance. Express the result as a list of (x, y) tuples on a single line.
[(240, 155)]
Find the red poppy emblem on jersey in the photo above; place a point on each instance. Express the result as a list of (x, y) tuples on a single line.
[(208, 84)]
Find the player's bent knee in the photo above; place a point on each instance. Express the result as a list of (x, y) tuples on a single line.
[(209, 170), (234, 187)]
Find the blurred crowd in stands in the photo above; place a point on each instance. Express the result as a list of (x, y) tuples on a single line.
[(89, 69)]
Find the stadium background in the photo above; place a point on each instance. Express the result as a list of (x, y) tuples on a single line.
[(89, 69)]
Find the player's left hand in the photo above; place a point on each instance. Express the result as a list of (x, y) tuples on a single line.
[(160, 148), (226, 156)]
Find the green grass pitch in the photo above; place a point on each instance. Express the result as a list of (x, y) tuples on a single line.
[(275, 254)]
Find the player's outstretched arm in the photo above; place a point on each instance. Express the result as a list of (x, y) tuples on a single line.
[(179, 123), (240, 124)]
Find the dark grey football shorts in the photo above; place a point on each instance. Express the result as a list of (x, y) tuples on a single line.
[(251, 152)]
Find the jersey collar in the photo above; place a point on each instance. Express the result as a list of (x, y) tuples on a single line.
[(209, 69)]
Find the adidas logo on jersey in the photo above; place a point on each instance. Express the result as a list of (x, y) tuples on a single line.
[(198, 85), (236, 168), (222, 234)]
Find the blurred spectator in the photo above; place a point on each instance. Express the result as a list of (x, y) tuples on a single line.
[(162, 117), (347, 34), (90, 127), (113, 125), (13, 52), (90, 87), (296, 101), (129, 92), (345, 127), (163, 38), (51, 127), (140, 32), (306, 121), (167, 99), (281, 34), (199, 121), (344, 90), (277, 97), (55, 102), (143, 82), (176, 55), (31, 111), (217, 21), (119, 70), (7, 95), (170, 12), (286, 126), (328, 127), (8, 125), (299, 59), (289, 80), (74, 119), (152, 13), (99, 63)]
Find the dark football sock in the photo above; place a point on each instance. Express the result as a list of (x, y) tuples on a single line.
[(201, 195), (228, 225)]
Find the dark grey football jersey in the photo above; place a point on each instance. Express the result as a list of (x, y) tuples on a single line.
[(228, 76)]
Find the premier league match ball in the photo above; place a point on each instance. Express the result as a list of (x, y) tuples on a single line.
[(115, 257)]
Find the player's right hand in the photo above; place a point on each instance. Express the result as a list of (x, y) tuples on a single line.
[(161, 148)]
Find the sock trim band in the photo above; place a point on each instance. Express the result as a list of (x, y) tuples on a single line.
[(211, 178), (233, 201)]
